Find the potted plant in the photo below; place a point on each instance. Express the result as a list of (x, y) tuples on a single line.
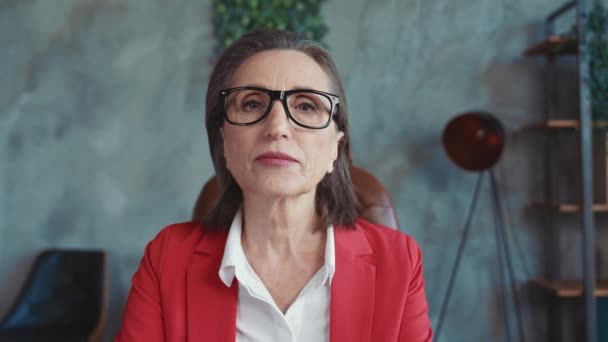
[(596, 40)]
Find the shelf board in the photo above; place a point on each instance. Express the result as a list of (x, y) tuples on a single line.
[(565, 124), (554, 45), (572, 207), (571, 288)]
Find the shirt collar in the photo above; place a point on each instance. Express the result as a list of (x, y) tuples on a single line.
[(234, 257)]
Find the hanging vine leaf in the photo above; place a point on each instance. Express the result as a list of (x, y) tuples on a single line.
[(233, 18)]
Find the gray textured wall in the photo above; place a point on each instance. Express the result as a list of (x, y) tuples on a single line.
[(102, 140)]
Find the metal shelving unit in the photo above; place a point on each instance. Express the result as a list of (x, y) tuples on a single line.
[(553, 47)]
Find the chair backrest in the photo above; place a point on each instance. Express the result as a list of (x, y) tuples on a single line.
[(375, 204), (65, 293)]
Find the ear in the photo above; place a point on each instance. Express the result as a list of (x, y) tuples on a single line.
[(223, 147), (223, 141), (339, 138), (334, 154)]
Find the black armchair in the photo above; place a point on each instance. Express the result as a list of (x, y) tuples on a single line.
[(64, 299)]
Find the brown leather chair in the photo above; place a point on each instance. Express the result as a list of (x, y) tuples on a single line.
[(375, 204)]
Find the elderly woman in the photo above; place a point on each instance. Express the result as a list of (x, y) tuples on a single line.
[(282, 256)]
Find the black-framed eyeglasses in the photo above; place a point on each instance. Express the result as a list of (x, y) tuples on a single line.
[(308, 108)]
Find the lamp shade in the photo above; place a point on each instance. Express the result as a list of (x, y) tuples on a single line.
[(474, 140)]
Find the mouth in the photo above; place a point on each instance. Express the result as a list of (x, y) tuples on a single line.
[(276, 158)]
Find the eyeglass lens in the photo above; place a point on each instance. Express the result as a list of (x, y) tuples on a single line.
[(306, 108)]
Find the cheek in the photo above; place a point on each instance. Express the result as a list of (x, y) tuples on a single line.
[(234, 150), (320, 156), (228, 155)]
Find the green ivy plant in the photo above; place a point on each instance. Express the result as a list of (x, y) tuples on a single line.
[(233, 18), (596, 40)]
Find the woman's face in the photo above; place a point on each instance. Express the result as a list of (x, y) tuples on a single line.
[(276, 157)]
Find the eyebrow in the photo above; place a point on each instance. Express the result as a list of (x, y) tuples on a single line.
[(297, 87)]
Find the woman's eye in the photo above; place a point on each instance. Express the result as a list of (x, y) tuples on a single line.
[(306, 107), (251, 105)]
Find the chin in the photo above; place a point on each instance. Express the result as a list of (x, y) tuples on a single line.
[(283, 187)]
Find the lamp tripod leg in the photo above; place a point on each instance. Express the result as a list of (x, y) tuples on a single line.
[(504, 256), (461, 246)]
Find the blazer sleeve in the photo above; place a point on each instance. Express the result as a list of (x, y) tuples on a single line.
[(143, 319), (415, 324)]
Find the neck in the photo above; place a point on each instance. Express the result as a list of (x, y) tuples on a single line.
[(281, 226)]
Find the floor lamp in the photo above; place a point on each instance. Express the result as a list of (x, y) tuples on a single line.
[(474, 141)]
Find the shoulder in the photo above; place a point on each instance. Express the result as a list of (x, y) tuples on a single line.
[(389, 243), (379, 235), (178, 234), (173, 244)]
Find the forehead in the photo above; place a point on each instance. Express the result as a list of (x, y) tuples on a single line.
[(281, 70)]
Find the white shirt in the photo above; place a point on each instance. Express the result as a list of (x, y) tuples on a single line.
[(258, 317)]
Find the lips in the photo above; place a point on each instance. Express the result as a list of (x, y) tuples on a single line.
[(276, 158)]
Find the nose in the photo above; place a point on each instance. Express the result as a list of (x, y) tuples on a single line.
[(277, 123)]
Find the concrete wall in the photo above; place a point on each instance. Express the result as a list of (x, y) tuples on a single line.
[(102, 138)]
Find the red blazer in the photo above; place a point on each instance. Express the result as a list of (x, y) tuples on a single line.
[(377, 292)]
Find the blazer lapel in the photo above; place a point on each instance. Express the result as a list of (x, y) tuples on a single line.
[(211, 305), (352, 288)]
